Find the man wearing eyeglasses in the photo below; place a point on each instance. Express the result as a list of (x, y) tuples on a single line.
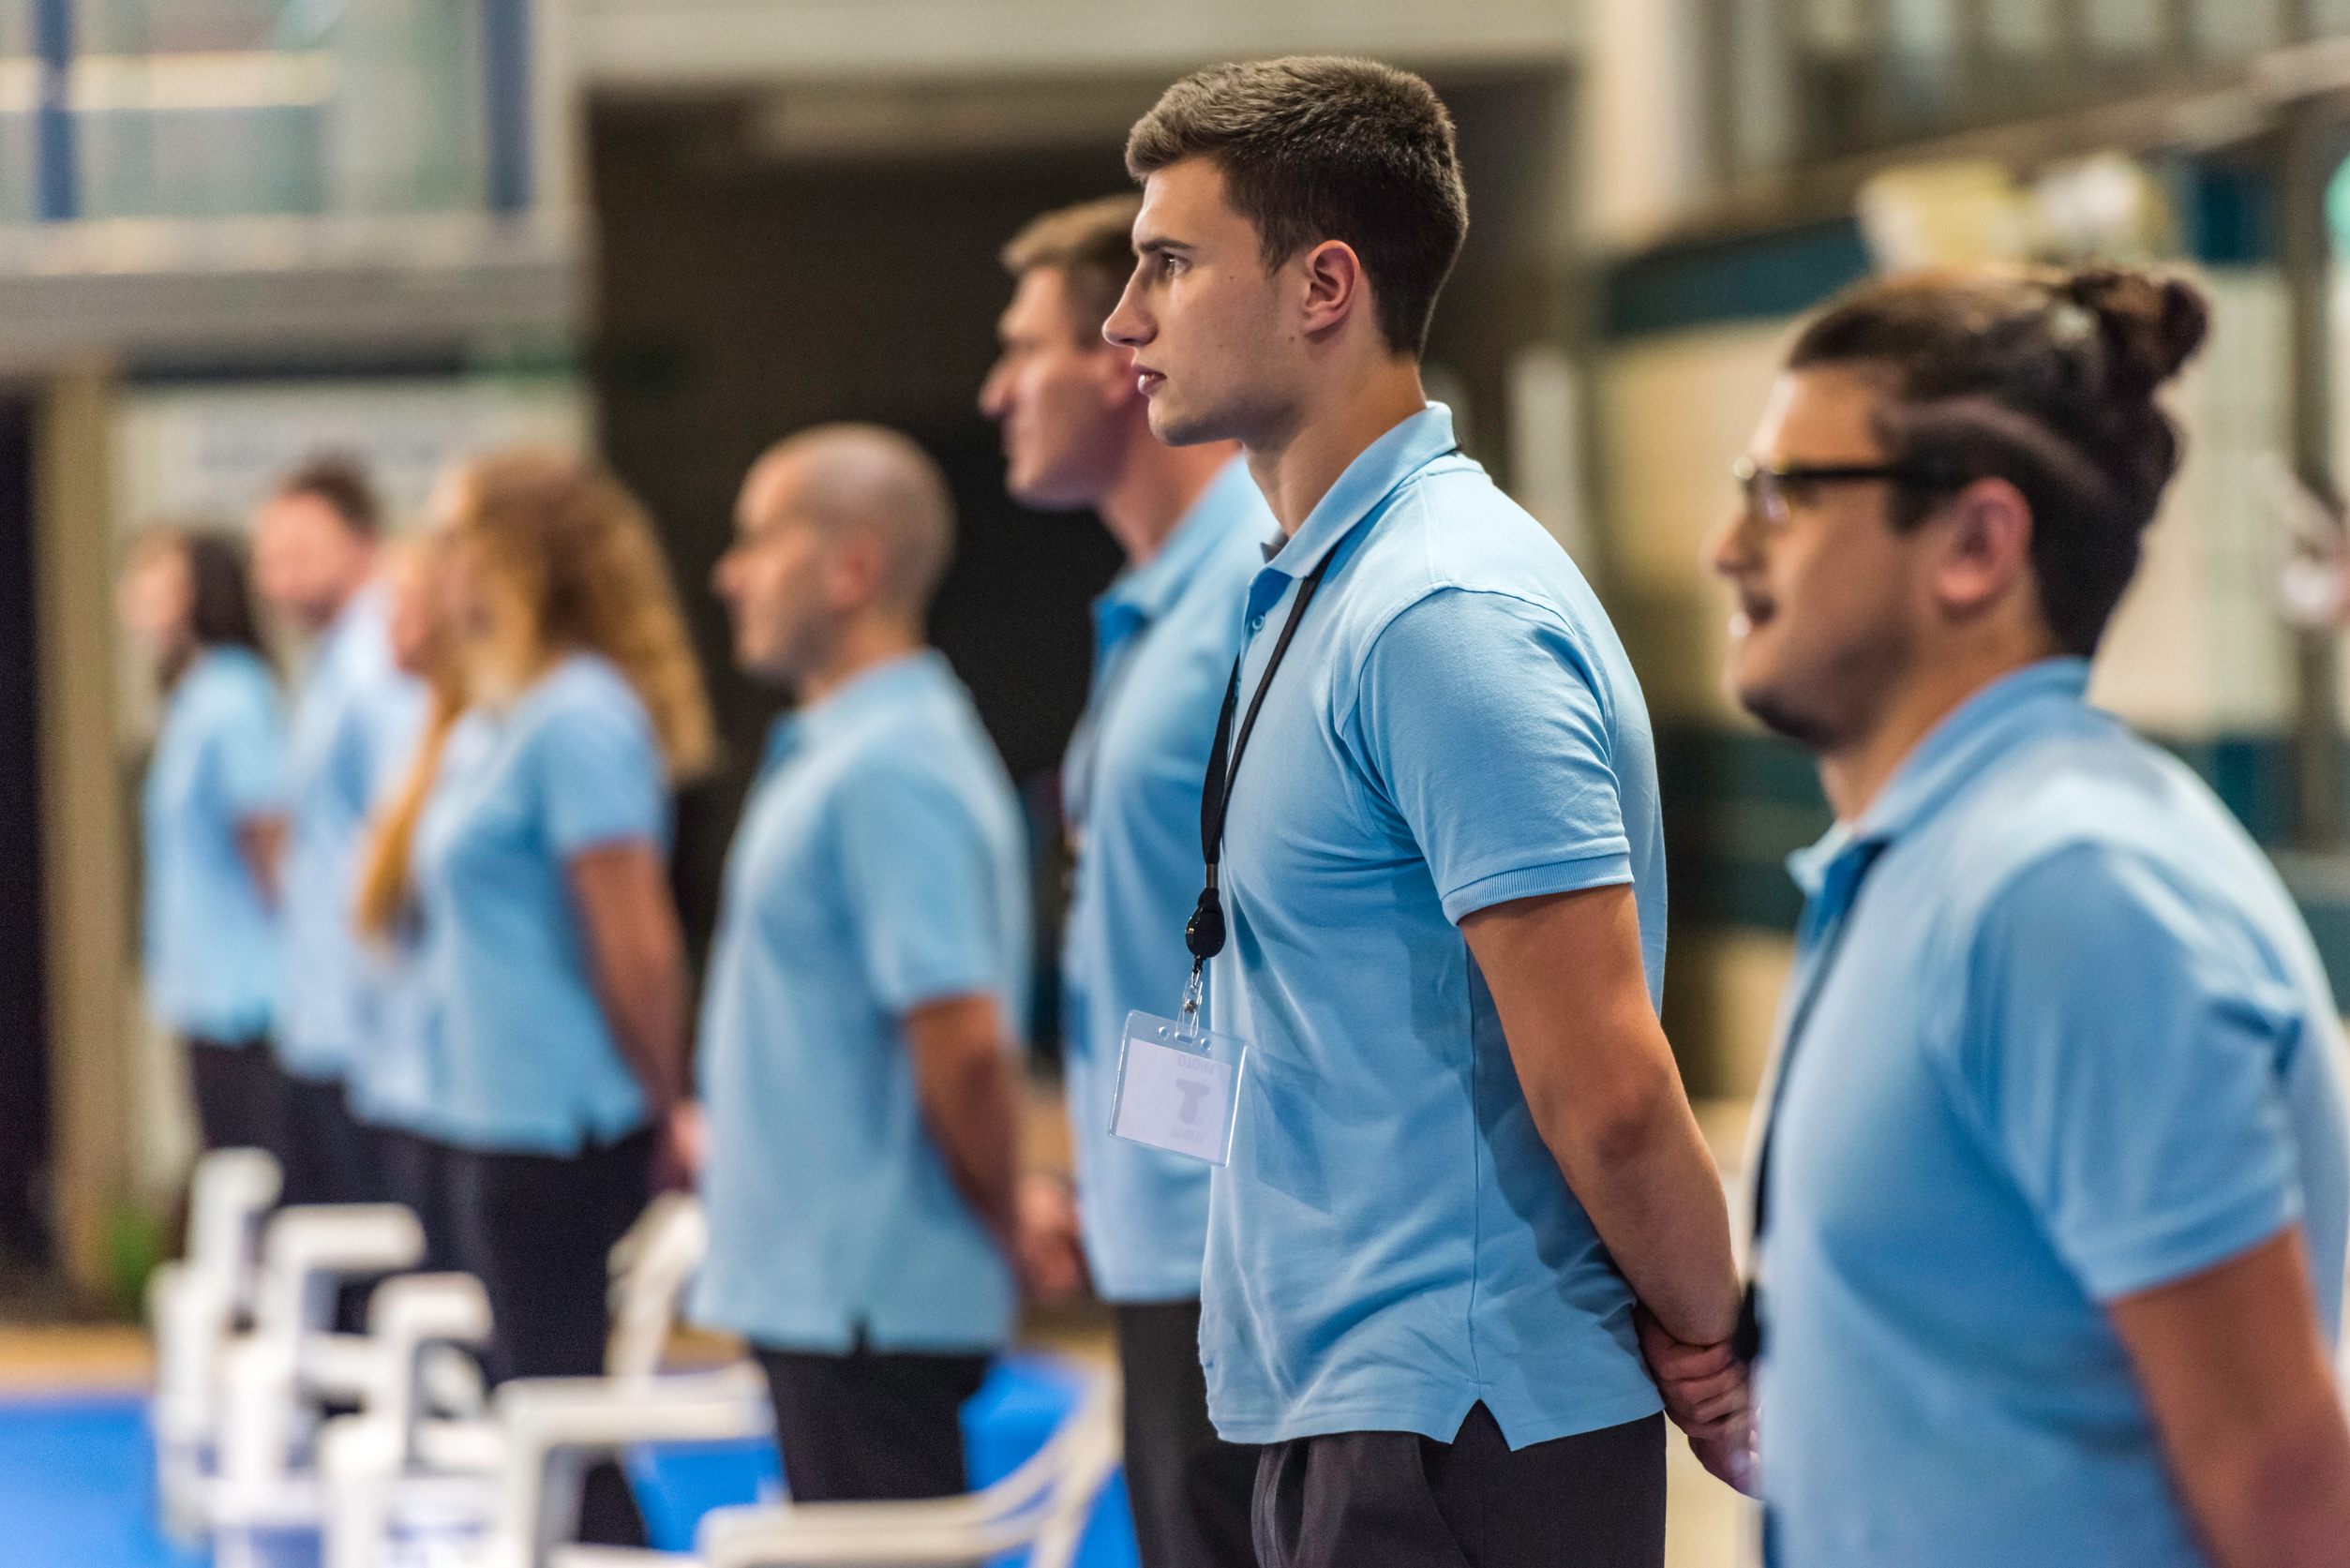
[(2050, 1187)]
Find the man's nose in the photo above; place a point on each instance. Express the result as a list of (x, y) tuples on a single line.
[(993, 398), (1729, 550), (1127, 326)]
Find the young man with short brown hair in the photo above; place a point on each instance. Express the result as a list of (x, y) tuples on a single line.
[(1462, 1151)]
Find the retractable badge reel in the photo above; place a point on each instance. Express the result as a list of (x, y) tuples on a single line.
[(1178, 1082)]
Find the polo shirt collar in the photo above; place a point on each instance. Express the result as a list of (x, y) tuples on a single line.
[(1967, 740), (875, 690), (1370, 479), (1149, 591)]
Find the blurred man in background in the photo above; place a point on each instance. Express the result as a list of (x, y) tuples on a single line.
[(355, 721), (1077, 434), (865, 990), (1463, 1148), (2052, 1185)]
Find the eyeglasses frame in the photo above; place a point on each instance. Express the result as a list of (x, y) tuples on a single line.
[(1750, 477)]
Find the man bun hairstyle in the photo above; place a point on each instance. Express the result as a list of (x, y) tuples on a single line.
[(340, 480), (1091, 246), (2040, 377), (1318, 148)]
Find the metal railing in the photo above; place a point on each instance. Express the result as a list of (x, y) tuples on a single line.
[(1797, 81)]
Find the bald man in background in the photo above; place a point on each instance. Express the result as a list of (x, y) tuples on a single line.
[(865, 988)]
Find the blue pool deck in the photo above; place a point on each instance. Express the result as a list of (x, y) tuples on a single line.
[(77, 1485)]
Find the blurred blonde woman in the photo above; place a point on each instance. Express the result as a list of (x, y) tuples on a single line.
[(396, 1086), (551, 946)]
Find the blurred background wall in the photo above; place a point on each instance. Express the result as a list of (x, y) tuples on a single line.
[(233, 230)]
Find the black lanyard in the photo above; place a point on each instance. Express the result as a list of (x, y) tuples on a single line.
[(1204, 933), (1746, 1340)]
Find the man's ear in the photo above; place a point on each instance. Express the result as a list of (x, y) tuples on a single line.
[(1336, 286), (853, 574), (1985, 552)]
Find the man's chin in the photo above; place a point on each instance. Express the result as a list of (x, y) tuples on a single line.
[(1179, 427), (1776, 709)]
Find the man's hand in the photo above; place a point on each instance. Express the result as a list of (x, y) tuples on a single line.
[(683, 1146), (1708, 1396), (1704, 1386), (1051, 1252)]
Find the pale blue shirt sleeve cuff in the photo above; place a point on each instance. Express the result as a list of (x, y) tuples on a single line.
[(1605, 869), (2233, 1222)]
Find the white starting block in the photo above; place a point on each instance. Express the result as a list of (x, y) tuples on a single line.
[(195, 1306), (275, 1380), (385, 1504), (404, 1491), (1043, 1505)]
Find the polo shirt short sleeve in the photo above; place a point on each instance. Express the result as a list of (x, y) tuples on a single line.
[(2145, 1123), (593, 779), (1483, 697), (915, 869), (247, 749)]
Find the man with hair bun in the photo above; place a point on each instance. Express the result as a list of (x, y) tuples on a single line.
[(1077, 433), (1435, 898), (866, 988), (2051, 1181)]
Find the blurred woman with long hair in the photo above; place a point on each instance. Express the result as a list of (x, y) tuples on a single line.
[(213, 815), (396, 1087), (551, 942)]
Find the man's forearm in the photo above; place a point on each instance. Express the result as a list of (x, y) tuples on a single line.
[(970, 1115), (1644, 1175), (646, 1011), (1566, 970)]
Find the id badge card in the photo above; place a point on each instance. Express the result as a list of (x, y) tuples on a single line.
[(1178, 1087)]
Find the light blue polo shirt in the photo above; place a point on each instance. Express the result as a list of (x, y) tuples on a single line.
[(400, 1078), (219, 762), (354, 727), (1164, 636), (2075, 1044), (1455, 726), (568, 765), (881, 865)]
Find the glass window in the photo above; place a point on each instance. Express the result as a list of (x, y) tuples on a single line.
[(217, 108)]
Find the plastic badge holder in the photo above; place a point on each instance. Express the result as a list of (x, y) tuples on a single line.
[(1179, 1087)]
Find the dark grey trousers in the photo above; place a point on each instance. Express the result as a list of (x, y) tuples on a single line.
[(870, 1426), (1396, 1499), (1189, 1488)]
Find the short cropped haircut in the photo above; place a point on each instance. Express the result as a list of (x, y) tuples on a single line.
[(2044, 377), (1315, 148), (1091, 246), (339, 480)]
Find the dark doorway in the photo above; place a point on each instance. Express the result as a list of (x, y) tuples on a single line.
[(743, 300), (25, 1130)]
